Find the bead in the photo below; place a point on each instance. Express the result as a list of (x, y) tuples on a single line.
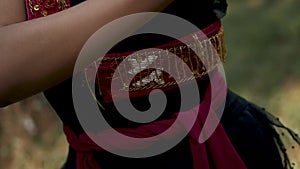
[(185, 59), (36, 7), (195, 72), (44, 13)]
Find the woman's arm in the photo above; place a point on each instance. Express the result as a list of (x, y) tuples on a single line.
[(12, 11), (37, 54)]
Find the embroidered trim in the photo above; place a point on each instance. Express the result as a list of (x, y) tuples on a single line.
[(153, 78), (136, 76), (40, 8)]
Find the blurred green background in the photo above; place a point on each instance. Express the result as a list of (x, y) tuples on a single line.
[(263, 65)]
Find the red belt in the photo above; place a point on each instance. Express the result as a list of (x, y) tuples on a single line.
[(212, 52)]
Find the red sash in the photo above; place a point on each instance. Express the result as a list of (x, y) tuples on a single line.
[(222, 154)]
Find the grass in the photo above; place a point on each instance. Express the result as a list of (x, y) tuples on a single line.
[(263, 65), (263, 54)]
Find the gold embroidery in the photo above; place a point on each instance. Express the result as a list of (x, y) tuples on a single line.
[(44, 6), (150, 78)]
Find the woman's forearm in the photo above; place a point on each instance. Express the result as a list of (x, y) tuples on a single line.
[(40, 53)]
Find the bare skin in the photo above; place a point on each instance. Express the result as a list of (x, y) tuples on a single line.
[(38, 54)]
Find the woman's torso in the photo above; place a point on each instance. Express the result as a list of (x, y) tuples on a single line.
[(200, 13)]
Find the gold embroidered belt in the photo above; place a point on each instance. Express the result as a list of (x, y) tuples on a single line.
[(142, 71)]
